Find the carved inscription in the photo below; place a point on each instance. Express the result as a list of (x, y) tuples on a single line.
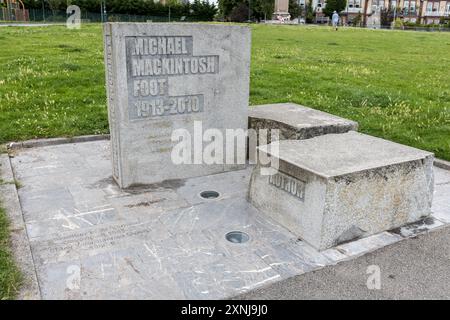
[(289, 184), (98, 238), (151, 62)]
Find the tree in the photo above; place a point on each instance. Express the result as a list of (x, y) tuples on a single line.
[(309, 12), (386, 16), (334, 5), (294, 9), (267, 8), (398, 23), (356, 22), (261, 9), (32, 4), (227, 6), (56, 5), (233, 10), (239, 13), (203, 10)]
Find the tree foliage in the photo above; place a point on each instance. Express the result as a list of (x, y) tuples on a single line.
[(199, 9), (386, 16), (309, 12), (334, 5), (239, 13), (294, 9)]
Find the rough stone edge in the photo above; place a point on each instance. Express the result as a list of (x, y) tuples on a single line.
[(18, 233), (55, 141), (442, 164), (297, 133), (354, 125)]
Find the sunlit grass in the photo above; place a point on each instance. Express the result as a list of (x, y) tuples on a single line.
[(10, 277), (395, 84)]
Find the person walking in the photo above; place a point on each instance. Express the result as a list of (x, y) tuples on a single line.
[(335, 20)]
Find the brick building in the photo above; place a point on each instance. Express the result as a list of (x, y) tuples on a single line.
[(421, 11)]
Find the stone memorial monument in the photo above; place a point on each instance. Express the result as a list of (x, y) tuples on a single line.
[(164, 77), (338, 187)]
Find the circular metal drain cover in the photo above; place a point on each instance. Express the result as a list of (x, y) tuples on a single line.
[(209, 194), (237, 237)]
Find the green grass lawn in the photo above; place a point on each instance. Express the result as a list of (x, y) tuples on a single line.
[(10, 277), (395, 84)]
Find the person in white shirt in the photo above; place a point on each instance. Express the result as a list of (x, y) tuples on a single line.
[(335, 20)]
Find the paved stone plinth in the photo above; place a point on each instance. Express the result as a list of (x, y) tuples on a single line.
[(338, 187), (295, 122), (92, 240), (164, 77)]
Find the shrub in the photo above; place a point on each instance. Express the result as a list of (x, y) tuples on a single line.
[(398, 24), (239, 13)]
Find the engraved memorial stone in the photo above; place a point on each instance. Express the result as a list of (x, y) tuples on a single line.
[(337, 187), (164, 77)]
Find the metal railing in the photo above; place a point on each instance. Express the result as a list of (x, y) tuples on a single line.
[(49, 16)]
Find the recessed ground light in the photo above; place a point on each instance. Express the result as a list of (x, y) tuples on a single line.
[(237, 237), (209, 194)]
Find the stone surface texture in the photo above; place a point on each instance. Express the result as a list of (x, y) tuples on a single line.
[(91, 240), (295, 122), (352, 185), (164, 77)]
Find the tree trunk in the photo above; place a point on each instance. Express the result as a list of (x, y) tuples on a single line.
[(366, 4)]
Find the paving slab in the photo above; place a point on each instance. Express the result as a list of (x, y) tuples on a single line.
[(417, 268), (91, 240)]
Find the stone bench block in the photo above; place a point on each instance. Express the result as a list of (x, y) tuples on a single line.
[(337, 187), (297, 122)]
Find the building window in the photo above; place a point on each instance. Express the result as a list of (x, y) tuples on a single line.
[(377, 4), (393, 4), (435, 6), (409, 6), (405, 7), (354, 3)]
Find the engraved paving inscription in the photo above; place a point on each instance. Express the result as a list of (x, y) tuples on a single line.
[(289, 184), (151, 62)]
